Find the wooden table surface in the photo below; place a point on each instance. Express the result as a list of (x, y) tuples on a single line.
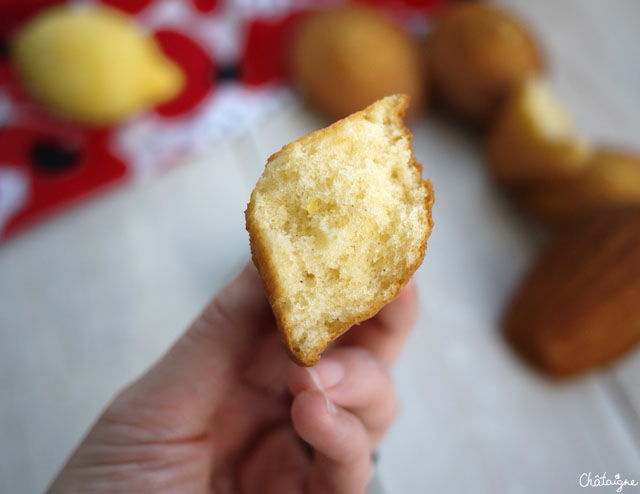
[(90, 298)]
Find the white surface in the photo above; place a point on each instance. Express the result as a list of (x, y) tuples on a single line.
[(91, 298)]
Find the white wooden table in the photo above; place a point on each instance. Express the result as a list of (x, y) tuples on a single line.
[(89, 299)]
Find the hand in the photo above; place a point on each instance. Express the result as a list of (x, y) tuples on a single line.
[(225, 411)]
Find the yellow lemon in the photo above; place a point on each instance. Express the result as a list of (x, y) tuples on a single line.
[(93, 64)]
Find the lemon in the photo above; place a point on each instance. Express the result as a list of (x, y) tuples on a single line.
[(93, 64)]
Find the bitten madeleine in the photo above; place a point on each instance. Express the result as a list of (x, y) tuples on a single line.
[(577, 308), (338, 223), (345, 58), (533, 139), (476, 56)]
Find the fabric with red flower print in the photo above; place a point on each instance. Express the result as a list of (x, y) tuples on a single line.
[(232, 55)]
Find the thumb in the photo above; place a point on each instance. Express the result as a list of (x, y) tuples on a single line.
[(178, 395), (342, 454)]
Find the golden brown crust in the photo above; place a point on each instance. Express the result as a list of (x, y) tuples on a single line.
[(266, 267), (345, 58), (577, 308), (475, 56), (612, 179)]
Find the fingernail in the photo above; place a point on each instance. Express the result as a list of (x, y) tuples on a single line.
[(318, 384), (330, 372)]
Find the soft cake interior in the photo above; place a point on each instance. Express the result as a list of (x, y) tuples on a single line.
[(342, 218)]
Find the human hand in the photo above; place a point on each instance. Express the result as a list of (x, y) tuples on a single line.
[(225, 410)]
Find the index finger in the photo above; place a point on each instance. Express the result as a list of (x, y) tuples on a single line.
[(197, 370), (385, 333)]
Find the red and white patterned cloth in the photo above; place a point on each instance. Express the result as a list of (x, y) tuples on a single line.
[(231, 52)]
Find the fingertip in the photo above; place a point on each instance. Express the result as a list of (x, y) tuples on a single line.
[(401, 312), (297, 379), (409, 293), (411, 287), (327, 373), (339, 436), (249, 277)]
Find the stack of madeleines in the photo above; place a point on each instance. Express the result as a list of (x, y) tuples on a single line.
[(482, 66)]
